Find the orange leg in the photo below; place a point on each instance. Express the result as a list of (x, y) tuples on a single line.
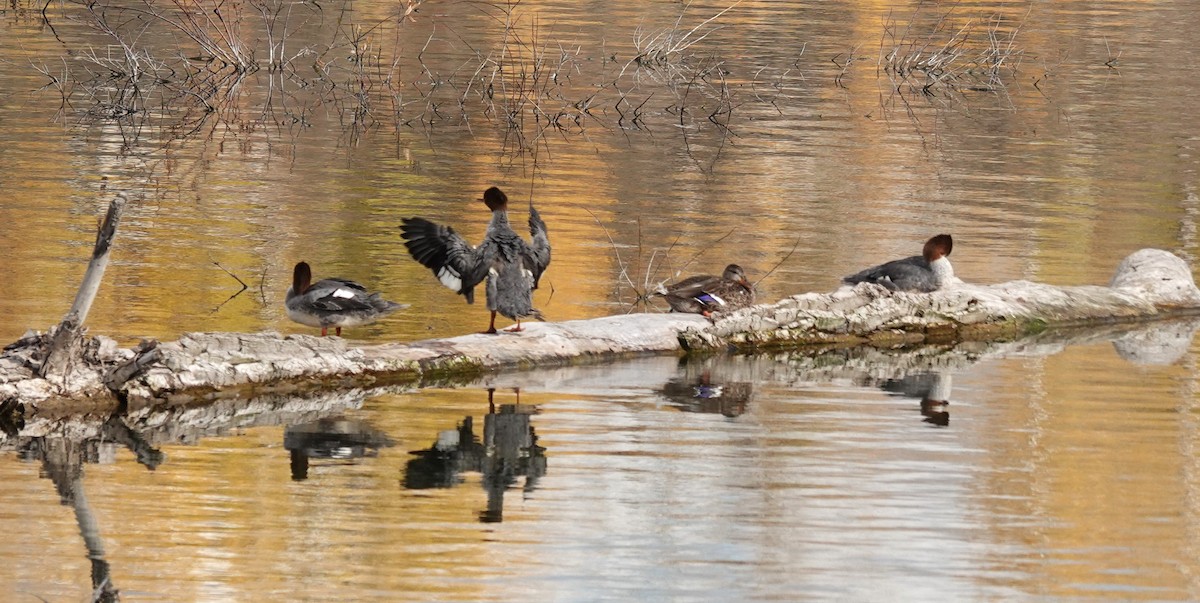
[(324, 330), (338, 330), (516, 329), (491, 326)]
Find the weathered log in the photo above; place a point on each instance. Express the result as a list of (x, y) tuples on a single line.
[(141, 427), (64, 342), (1150, 284)]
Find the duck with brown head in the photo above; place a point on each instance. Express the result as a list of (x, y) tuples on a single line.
[(706, 294), (333, 302), (511, 266), (926, 272)]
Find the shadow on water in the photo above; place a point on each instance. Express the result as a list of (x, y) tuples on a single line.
[(508, 450)]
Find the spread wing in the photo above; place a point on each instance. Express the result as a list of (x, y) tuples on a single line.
[(537, 255), (453, 261)]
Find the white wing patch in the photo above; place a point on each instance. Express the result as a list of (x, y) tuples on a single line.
[(450, 278), (715, 298), (343, 293)]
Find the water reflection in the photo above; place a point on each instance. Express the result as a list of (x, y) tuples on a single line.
[(509, 450), (710, 385), (63, 459), (932, 389), (337, 439), (706, 500)]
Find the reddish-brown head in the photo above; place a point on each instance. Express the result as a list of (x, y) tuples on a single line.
[(938, 247), (495, 199), (301, 278)]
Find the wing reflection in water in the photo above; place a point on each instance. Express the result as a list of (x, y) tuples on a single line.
[(932, 389), (711, 385), (337, 439), (509, 450)]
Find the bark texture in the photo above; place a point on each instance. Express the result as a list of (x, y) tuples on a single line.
[(1149, 284), (203, 367)]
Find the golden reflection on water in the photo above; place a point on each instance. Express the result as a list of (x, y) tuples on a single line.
[(1067, 476), (1037, 182)]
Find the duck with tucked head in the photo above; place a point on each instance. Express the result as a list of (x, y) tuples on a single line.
[(926, 272), (333, 302), (706, 294), (511, 266)]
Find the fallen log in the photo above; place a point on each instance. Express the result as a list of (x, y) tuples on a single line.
[(1149, 285), (141, 429)]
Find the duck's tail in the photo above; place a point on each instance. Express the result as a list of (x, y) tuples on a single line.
[(384, 306), (536, 314)]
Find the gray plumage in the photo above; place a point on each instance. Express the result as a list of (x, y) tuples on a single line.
[(333, 302), (925, 273), (511, 266)]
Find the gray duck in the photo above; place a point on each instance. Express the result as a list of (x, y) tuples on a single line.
[(926, 272), (511, 266), (333, 302)]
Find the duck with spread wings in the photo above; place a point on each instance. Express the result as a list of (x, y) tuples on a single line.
[(511, 266)]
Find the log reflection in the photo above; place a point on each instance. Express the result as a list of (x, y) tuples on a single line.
[(508, 450), (62, 462)]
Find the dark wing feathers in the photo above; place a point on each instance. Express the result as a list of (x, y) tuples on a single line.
[(894, 275), (453, 261), (331, 301), (691, 287), (537, 257)]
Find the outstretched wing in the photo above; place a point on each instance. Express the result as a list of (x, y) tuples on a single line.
[(453, 261), (537, 256)]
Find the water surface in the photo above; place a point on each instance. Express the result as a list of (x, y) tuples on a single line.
[(1055, 473)]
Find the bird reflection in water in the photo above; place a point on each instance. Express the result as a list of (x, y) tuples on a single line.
[(338, 439), (509, 450), (709, 385), (933, 389)]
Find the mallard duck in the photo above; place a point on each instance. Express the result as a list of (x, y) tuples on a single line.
[(926, 272), (706, 294), (333, 302), (511, 266)]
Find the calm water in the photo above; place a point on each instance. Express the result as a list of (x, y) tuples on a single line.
[(1059, 139), (1048, 473)]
